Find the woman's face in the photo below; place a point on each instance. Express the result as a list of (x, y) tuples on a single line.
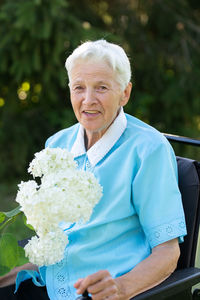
[(96, 96)]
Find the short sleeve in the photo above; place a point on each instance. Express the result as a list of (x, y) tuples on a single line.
[(38, 278), (156, 195)]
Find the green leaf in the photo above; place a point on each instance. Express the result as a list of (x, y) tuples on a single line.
[(9, 254), (22, 258), (27, 225), (8, 222), (4, 270), (11, 215), (2, 217)]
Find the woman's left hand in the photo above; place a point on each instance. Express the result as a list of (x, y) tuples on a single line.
[(101, 286), (145, 275)]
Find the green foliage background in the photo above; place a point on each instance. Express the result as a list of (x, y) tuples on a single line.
[(162, 39)]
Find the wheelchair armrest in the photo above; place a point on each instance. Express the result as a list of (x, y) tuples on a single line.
[(179, 281)]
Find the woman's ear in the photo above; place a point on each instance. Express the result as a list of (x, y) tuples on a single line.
[(126, 94)]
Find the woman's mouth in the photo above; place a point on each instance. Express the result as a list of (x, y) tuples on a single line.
[(91, 111)]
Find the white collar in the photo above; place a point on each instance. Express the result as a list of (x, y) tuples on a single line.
[(104, 144)]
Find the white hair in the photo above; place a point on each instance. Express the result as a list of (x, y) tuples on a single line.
[(102, 51)]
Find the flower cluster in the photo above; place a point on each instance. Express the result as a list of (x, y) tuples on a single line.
[(65, 194), (48, 248)]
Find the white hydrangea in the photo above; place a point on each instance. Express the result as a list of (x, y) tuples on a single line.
[(65, 194), (49, 160), (39, 249)]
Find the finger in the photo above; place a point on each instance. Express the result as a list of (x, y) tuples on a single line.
[(107, 293), (92, 279), (78, 282), (97, 287), (113, 297)]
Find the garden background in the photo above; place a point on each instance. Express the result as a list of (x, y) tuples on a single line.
[(162, 39)]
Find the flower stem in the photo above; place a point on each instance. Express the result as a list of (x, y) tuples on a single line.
[(9, 221)]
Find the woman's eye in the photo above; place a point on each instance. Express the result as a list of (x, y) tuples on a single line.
[(78, 88), (102, 88)]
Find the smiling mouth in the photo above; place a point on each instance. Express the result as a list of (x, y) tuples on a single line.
[(91, 111)]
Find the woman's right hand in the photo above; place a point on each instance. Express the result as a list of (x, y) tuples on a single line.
[(10, 277)]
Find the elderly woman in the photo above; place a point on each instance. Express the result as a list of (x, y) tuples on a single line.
[(130, 243)]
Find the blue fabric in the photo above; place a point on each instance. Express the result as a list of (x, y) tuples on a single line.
[(38, 278), (141, 207)]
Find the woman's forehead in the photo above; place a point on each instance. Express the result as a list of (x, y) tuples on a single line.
[(100, 72)]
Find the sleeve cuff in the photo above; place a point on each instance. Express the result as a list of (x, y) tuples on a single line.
[(38, 278), (165, 232)]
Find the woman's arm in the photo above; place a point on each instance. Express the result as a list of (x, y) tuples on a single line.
[(10, 278), (147, 274)]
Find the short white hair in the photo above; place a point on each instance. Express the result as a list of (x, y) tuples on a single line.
[(103, 51)]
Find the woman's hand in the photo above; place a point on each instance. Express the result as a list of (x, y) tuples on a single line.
[(147, 274), (101, 286), (10, 277)]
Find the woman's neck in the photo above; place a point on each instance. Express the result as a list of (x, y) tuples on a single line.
[(91, 138)]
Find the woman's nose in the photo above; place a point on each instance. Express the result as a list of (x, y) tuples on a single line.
[(89, 96)]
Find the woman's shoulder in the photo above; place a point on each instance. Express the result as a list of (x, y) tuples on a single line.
[(63, 138), (144, 135), (147, 143)]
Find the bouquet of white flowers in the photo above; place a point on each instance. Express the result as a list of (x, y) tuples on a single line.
[(64, 194)]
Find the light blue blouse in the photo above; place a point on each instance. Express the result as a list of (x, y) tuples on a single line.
[(140, 208)]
